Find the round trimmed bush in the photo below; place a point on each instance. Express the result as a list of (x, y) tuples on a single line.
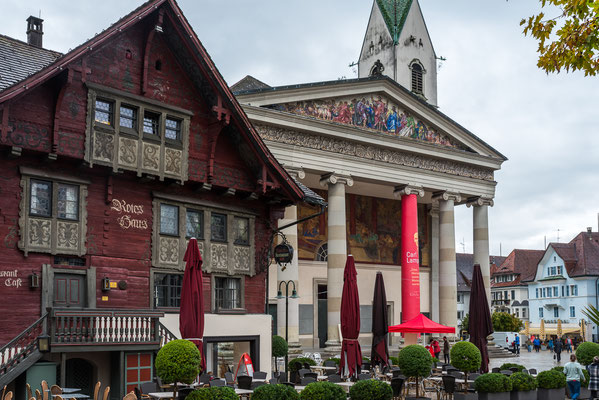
[(371, 389), (323, 391), (586, 351), (551, 379), (512, 365), (279, 346), (522, 382), (465, 356), (298, 363), (178, 361), (278, 391), (213, 393), (415, 361), (493, 383)]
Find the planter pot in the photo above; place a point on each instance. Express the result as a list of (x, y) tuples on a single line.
[(550, 394), (465, 396), (494, 396), (524, 395)]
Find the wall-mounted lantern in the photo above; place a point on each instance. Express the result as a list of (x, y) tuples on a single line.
[(34, 280), (43, 343)]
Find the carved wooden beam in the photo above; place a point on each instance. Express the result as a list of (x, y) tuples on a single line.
[(264, 184), (221, 111), (5, 112), (213, 133), (57, 108), (149, 38)]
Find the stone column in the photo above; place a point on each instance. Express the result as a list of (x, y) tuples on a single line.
[(291, 272), (337, 253), (447, 263), (434, 213), (480, 225), (410, 260)]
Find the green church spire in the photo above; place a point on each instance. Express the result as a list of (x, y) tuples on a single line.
[(395, 13)]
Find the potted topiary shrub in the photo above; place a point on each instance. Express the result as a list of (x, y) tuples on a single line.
[(178, 361), (466, 357), (370, 389), (296, 364), (415, 362), (279, 392), (213, 393), (493, 387), (323, 391), (523, 387), (586, 351), (280, 348), (512, 365), (551, 385)]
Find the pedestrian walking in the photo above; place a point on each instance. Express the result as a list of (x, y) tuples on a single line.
[(574, 376), (593, 369), (557, 349), (517, 344), (436, 348), (528, 345), (569, 344), (446, 350), (537, 344)]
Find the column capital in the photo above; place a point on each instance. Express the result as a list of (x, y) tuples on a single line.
[(403, 190), (296, 172), (333, 178), (447, 195), (479, 201)]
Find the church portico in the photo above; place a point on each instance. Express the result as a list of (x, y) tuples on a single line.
[(392, 168)]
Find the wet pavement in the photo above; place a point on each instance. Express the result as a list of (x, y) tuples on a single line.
[(541, 361)]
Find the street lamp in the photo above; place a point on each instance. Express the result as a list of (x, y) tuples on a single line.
[(286, 297)]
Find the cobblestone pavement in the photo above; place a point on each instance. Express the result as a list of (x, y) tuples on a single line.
[(541, 361)]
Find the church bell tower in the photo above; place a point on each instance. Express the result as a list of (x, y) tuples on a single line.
[(397, 44)]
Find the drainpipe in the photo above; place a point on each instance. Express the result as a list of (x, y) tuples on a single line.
[(272, 238)]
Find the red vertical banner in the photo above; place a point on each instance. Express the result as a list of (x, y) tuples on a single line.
[(410, 268)]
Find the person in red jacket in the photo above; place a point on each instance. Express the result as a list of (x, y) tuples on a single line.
[(436, 348)]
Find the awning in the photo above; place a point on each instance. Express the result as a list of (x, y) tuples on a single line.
[(551, 329)]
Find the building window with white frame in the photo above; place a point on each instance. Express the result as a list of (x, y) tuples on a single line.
[(572, 312), (556, 312), (540, 312)]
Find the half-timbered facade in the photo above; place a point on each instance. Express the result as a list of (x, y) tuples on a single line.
[(113, 156)]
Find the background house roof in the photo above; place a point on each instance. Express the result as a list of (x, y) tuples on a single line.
[(581, 254), (520, 262), (465, 266)]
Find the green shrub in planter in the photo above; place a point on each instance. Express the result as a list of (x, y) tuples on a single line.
[(551, 379), (511, 365), (279, 346), (298, 363), (278, 392), (522, 382), (586, 351), (336, 360), (492, 383), (370, 389), (415, 361), (323, 391), (394, 360), (213, 393), (466, 357), (178, 361)]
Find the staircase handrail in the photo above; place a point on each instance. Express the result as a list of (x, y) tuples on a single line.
[(19, 351), (168, 335)]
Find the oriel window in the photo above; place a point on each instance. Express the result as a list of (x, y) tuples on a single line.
[(41, 198), (67, 205), (151, 123), (172, 129), (218, 227), (128, 117)]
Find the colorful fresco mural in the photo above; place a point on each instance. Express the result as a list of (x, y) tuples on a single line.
[(373, 231), (376, 113)]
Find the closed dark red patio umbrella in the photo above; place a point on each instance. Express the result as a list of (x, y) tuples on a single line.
[(380, 349), (479, 318), (191, 313), (351, 354)]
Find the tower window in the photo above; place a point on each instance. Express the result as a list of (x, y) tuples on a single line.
[(417, 72)]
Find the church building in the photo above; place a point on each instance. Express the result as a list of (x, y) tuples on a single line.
[(367, 145)]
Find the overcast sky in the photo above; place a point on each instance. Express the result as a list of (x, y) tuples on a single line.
[(545, 124)]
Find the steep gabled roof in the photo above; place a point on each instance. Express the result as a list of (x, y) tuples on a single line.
[(521, 262), (18, 60), (197, 55), (395, 13), (580, 255)]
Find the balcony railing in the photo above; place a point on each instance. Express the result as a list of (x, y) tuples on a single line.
[(70, 327)]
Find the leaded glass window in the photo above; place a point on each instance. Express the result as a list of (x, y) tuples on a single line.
[(41, 198), (172, 129), (169, 219), (128, 117), (218, 227), (167, 290), (195, 224), (151, 123), (241, 228), (67, 205), (104, 112)]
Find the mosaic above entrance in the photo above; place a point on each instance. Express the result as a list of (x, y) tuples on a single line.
[(376, 114)]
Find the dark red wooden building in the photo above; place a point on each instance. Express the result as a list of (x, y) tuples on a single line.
[(114, 155)]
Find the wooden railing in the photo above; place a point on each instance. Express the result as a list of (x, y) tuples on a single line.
[(99, 326), (15, 351), (165, 335)]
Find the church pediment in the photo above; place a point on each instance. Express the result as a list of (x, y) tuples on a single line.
[(375, 113)]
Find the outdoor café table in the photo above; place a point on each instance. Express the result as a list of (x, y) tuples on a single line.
[(161, 395), (70, 390), (346, 385), (72, 396), (244, 393), (322, 377), (322, 368)]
